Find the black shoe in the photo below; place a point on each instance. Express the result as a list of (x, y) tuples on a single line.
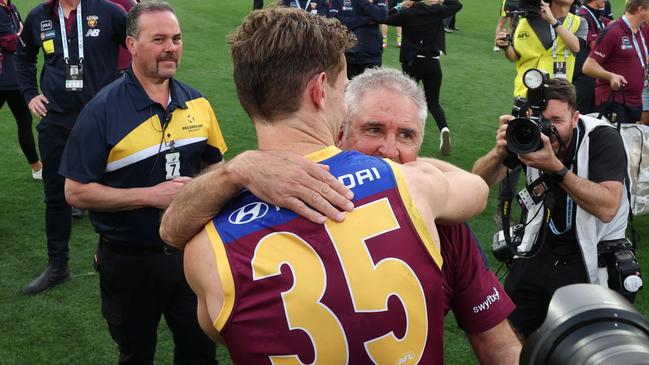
[(56, 272), (77, 213)]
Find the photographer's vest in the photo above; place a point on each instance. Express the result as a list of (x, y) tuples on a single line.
[(589, 229), (534, 55)]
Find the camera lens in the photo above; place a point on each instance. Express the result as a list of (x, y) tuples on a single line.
[(589, 324), (523, 136)]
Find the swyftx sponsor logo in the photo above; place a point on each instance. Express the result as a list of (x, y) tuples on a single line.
[(491, 299)]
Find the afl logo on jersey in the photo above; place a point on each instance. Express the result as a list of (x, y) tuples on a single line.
[(248, 213)]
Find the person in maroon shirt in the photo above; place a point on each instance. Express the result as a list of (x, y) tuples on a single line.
[(618, 62), (124, 59)]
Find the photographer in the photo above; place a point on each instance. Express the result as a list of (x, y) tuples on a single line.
[(423, 43), (584, 164), (548, 38)]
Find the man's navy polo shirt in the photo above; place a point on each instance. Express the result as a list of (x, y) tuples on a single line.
[(118, 142)]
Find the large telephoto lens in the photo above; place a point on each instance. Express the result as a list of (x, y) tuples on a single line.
[(589, 324), (523, 136)]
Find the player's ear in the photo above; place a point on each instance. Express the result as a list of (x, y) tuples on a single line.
[(316, 90)]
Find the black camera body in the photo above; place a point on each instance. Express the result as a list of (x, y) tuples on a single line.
[(624, 275), (499, 247), (524, 133)]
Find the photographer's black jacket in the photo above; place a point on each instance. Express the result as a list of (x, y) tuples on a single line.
[(423, 32)]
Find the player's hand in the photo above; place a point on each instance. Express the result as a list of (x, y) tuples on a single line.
[(162, 194), (38, 105), (546, 13), (617, 81), (291, 181), (543, 159)]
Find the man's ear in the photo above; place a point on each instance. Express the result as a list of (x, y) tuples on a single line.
[(575, 118), (130, 45), (317, 91), (339, 136)]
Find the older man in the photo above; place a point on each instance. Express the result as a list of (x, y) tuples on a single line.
[(394, 131)]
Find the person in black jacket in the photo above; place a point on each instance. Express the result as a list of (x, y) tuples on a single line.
[(10, 29), (70, 77), (362, 17), (423, 42)]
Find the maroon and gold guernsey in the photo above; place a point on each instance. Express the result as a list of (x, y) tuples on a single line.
[(368, 290)]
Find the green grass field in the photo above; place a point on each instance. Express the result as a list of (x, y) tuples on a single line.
[(64, 325)]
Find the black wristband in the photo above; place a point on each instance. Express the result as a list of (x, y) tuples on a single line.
[(560, 175), (557, 24)]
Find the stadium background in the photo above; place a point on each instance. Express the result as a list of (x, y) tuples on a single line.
[(64, 325)]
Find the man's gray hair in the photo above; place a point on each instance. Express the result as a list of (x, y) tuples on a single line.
[(388, 79), (133, 18)]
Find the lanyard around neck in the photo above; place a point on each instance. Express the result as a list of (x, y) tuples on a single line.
[(636, 46), (569, 202), (566, 51), (599, 24), (64, 35)]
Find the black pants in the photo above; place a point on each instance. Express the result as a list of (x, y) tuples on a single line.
[(23, 118), (58, 222), (257, 4), (585, 87), (138, 286), (429, 72), (355, 69), (531, 283)]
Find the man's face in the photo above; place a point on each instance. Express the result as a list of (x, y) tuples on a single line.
[(597, 4), (158, 48), (563, 119), (386, 124)]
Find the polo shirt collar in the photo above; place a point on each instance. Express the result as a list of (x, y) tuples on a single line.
[(142, 101)]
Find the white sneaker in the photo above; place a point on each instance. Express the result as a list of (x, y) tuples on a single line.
[(445, 141), (37, 175)]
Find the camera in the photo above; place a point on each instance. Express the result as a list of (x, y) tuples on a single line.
[(617, 258), (524, 134), (499, 247), (588, 324), (530, 8)]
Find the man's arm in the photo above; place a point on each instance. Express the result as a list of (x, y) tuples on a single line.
[(496, 346), (280, 178), (104, 198), (447, 196), (26, 57), (599, 199), (203, 277), (592, 68), (570, 40)]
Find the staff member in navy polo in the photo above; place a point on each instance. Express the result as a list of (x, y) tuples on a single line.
[(73, 72), (362, 17), (132, 149)]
